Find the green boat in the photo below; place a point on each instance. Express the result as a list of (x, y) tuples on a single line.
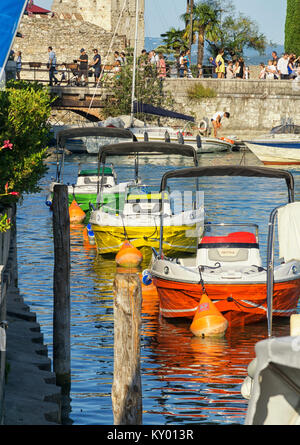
[(91, 178)]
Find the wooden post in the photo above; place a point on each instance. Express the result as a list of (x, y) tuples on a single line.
[(61, 286), (127, 387)]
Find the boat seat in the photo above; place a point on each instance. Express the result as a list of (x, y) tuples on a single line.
[(88, 180), (231, 238), (137, 208), (234, 248)]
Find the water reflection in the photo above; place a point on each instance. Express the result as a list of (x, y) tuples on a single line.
[(184, 380)]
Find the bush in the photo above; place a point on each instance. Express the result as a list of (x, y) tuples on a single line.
[(24, 112), (198, 91)]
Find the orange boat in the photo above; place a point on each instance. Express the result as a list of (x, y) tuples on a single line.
[(228, 266)]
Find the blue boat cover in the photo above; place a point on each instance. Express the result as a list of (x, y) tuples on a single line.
[(139, 107), (11, 12)]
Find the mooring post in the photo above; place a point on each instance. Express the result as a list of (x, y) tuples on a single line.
[(127, 387), (61, 287)]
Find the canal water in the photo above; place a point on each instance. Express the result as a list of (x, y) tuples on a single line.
[(185, 380)]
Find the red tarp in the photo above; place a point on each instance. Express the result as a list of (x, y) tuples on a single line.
[(33, 9)]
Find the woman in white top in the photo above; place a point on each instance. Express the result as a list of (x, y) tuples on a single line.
[(271, 70), (236, 69), (229, 70)]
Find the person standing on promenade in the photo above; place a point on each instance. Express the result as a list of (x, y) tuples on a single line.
[(96, 65), (282, 66), (18, 64), (162, 69), (229, 71), (213, 67), (187, 64), (220, 65), (83, 65), (181, 64), (52, 66), (274, 56), (216, 120)]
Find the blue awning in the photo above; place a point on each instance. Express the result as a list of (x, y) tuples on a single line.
[(139, 107), (11, 12)]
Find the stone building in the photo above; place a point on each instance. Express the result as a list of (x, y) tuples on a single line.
[(73, 24)]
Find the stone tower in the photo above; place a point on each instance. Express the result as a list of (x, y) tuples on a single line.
[(106, 13)]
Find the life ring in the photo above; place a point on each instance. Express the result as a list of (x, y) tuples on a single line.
[(202, 126)]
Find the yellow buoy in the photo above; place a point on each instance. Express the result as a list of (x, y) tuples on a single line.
[(208, 320), (76, 213), (129, 256)]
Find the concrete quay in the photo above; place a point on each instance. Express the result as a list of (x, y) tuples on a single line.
[(31, 396)]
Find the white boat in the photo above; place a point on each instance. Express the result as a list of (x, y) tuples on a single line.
[(273, 382), (227, 261), (202, 144), (138, 218), (89, 139), (90, 177), (280, 147)]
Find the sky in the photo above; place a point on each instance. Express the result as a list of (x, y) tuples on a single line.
[(160, 15)]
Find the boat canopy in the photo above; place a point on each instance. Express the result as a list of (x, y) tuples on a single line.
[(139, 107), (286, 129), (232, 170), (79, 132), (163, 148)]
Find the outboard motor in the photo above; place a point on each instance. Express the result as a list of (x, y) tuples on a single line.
[(180, 138), (146, 137), (167, 136), (199, 142)]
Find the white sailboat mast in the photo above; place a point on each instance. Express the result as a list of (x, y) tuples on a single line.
[(134, 61)]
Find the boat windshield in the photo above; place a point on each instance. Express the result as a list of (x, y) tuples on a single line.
[(186, 227), (226, 233)]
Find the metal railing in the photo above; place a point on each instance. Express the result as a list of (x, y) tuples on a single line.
[(66, 74), (39, 72)]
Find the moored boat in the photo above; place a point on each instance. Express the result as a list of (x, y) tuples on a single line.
[(202, 144), (280, 147), (90, 139), (227, 263), (84, 190), (139, 219)]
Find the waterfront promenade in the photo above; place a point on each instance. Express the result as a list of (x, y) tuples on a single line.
[(31, 394)]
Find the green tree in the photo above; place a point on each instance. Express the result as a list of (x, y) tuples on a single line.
[(174, 40), (292, 28), (236, 32), (148, 90), (206, 20), (24, 113)]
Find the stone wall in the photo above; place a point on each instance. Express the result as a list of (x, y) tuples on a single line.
[(255, 105), (107, 15), (66, 35)]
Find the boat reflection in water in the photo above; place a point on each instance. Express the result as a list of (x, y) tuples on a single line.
[(184, 378)]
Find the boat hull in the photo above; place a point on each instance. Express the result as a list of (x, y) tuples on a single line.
[(114, 201), (239, 303), (276, 153), (109, 239), (209, 145)]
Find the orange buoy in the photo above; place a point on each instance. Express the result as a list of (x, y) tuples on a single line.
[(208, 320), (76, 213), (230, 141), (129, 256)]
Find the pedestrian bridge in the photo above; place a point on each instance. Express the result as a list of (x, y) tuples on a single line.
[(70, 94), (87, 101)]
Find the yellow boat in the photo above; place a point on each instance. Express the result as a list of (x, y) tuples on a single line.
[(140, 219)]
